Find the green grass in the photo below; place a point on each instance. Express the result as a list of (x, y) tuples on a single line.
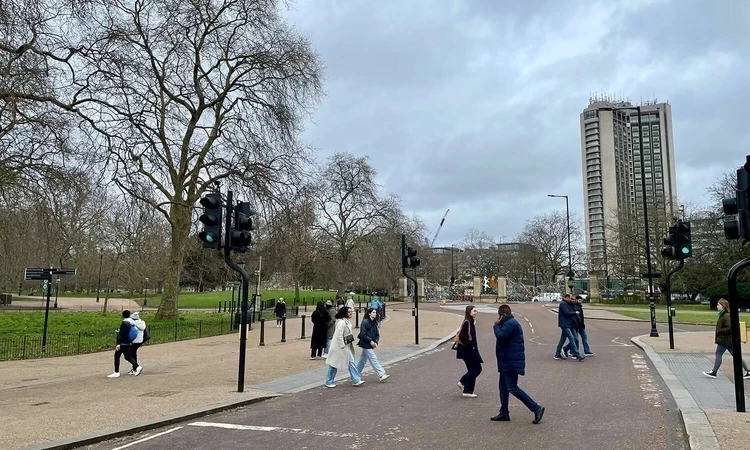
[(678, 306), (681, 316), (210, 300), (71, 333)]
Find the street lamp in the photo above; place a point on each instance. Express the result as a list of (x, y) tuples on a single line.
[(145, 291), (650, 275), (99, 282), (453, 273), (570, 254), (57, 290)]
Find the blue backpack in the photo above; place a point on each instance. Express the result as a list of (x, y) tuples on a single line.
[(133, 333)]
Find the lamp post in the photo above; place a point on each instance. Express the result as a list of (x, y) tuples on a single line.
[(99, 282), (646, 236), (145, 291), (570, 254), (453, 273), (57, 290)]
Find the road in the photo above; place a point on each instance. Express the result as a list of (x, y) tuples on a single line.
[(614, 400)]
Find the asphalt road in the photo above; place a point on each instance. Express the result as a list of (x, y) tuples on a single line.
[(614, 400)]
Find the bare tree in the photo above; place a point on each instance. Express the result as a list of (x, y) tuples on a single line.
[(182, 96), (547, 234), (350, 211), (480, 256)]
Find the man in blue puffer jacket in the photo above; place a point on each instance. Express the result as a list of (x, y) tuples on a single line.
[(511, 362), (567, 320)]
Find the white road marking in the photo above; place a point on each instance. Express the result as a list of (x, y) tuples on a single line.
[(333, 434), (622, 344), (147, 438), (651, 392)]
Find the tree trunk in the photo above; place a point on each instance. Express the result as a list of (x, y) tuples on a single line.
[(296, 288), (180, 228)]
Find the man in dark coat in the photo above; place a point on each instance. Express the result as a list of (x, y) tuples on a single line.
[(511, 362), (567, 320)]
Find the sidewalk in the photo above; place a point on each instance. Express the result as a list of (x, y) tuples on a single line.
[(51, 403)]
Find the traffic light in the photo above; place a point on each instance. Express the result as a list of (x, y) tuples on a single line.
[(211, 220), (410, 259), (683, 243), (668, 251), (240, 238), (739, 226)]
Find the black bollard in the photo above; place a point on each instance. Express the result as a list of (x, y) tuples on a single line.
[(262, 332), (356, 323), (218, 308), (283, 329), (303, 327), (305, 305), (296, 310), (384, 310)]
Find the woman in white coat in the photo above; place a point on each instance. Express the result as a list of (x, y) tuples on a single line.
[(341, 354)]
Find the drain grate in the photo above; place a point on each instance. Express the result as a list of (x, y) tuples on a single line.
[(159, 394)]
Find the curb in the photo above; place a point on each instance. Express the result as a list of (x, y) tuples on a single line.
[(699, 430), (111, 433)]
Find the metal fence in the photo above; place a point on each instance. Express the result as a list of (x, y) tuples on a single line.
[(29, 346)]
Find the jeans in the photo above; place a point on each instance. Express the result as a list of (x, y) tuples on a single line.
[(469, 380), (720, 349), (567, 334), (508, 385), (584, 339), (353, 373), (328, 346), (368, 354)]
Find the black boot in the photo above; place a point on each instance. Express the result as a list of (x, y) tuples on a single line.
[(500, 418), (538, 414)]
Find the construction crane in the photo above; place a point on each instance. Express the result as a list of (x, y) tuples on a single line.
[(431, 244)]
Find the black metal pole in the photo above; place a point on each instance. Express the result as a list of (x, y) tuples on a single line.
[(57, 291), (570, 254), (262, 332), (46, 315), (734, 318), (668, 291), (303, 327), (416, 293), (453, 274), (241, 271), (283, 329), (99, 282)]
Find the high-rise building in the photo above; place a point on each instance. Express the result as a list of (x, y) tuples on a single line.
[(612, 192)]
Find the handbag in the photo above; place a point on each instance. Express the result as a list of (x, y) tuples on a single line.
[(348, 338)]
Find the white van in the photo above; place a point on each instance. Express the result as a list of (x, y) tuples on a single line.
[(547, 297)]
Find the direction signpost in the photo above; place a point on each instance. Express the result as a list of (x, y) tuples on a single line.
[(45, 274)]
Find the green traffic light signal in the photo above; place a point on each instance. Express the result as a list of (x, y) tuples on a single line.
[(211, 220)]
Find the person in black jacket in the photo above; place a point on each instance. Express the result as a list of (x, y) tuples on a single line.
[(369, 337), (511, 362), (467, 349), (580, 330), (280, 312), (123, 344), (320, 320), (567, 319)]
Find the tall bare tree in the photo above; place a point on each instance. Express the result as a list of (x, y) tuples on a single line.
[(350, 211), (547, 235), (182, 95)]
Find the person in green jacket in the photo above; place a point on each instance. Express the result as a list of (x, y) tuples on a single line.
[(724, 340)]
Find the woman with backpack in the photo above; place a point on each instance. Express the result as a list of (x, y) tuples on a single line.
[(341, 354), (466, 347), (369, 337), (125, 336), (319, 336)]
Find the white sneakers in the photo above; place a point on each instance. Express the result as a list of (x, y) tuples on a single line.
[(331, 386), (385, 377), (360, 383), (469, 395), (114, 375), (135, 372), (138, 370)]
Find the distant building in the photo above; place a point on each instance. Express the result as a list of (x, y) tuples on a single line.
[(612, 172)]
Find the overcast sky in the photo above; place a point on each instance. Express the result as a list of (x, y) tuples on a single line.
[(474, 105)]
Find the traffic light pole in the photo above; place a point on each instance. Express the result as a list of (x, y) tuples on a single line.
[(234, 266), (668, 292), (734, 318), (416, 291)]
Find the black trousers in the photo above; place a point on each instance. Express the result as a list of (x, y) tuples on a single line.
[(134, 355), (124, 351)]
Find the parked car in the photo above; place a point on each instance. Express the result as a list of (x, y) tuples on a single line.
[(547, 297)]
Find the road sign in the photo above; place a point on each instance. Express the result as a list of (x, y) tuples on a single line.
[(42, 273)]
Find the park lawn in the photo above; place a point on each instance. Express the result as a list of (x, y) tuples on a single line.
[(678, 306), (683, 317), (210, 300), (20, 323)]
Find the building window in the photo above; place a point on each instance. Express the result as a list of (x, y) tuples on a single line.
[(590, 114)]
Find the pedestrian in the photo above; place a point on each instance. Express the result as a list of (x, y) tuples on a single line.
[(567, 318), (511, 362), (122, 347), (341, 354), (723, 340), (319, 320), (331, 325), (369, 338), (349, 303), (140, 326), (467, 349), (580, 330), (280, 312)]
